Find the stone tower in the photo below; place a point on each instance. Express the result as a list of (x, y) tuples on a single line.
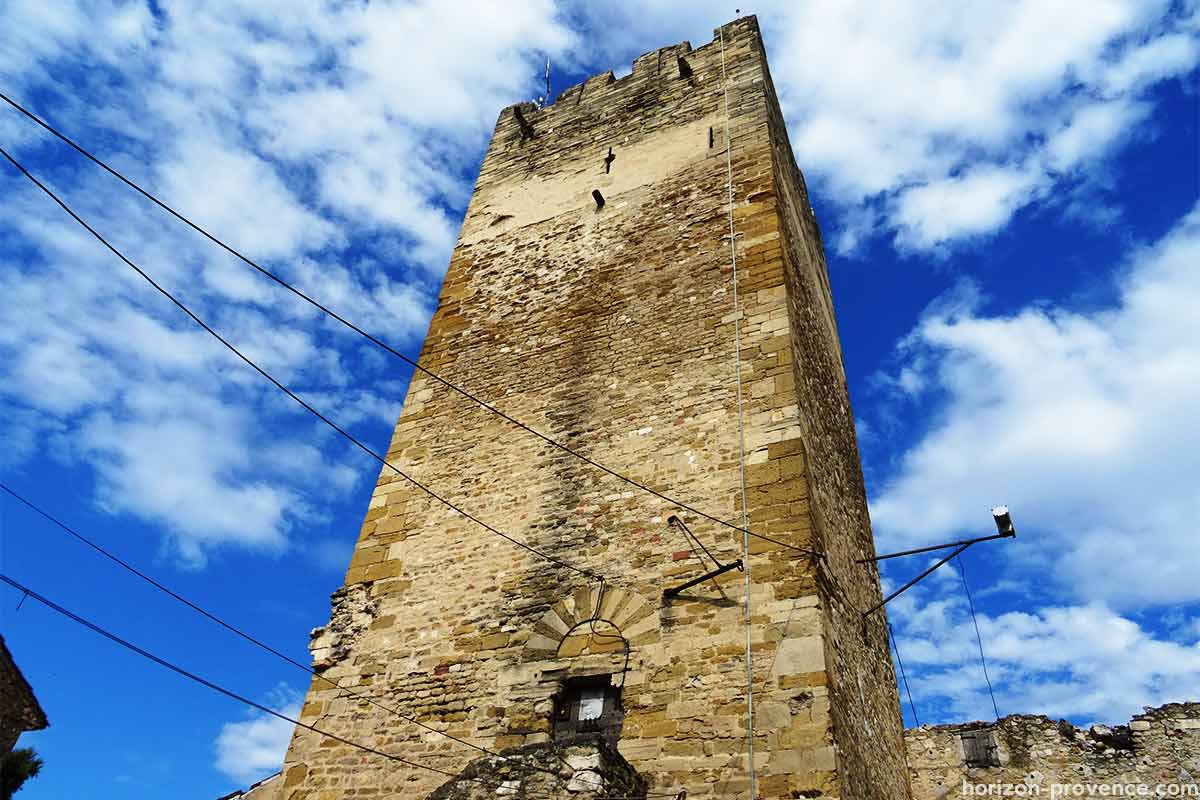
[(592, 296)]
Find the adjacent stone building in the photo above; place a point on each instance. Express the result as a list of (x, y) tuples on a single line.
[(593, 295), (1158, 748), (19, 708), (268, 788)]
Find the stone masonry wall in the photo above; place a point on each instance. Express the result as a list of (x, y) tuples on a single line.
[(1159, 746), (269, 788), (862, 683), (19, 708), (612, 329), (586, 767)]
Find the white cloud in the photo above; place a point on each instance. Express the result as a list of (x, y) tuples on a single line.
[(169, 469), (1091, 130), (1076, 419), (243, 197), (305, 137), (1084, 662), (897, 109), (99, 369), (891, 104), (252, 749), (978, 201), (354, 406), (1172, 54)]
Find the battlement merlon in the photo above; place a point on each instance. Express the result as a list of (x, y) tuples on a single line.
[(675, 91), (659, 77), (662, 63)]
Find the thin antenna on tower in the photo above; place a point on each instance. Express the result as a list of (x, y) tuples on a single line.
[(544, 100)]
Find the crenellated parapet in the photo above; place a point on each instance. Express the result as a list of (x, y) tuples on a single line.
[(665, 86)]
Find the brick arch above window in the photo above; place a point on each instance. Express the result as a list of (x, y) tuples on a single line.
[(628, 613)]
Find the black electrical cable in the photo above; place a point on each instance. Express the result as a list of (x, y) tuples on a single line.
[(962, 573), (378, 342), (27, 592), (911, 705), (347, 435), (232, 629), (214, 686)]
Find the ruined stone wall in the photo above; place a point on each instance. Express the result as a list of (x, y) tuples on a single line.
[(19, 708), (585, 767), (612, 329), (1159, 746), (269, 788)]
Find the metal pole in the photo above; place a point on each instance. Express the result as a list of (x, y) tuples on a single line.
[(938, 547), (909, 585), (668, 593)]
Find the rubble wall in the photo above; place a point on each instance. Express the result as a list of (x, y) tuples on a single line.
[(1160, 747), (19, 708)]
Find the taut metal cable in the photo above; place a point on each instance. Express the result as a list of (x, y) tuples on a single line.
[(911, 705), (962, 573), (231, 628), (214, 686), (375, 340), (341, 431), (162, 662), (737, 356), (27, 593)]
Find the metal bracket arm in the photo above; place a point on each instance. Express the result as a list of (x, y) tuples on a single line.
[(915, 580), (1007, 535), (669, 593)]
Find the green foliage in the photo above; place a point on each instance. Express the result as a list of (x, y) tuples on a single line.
[(15, 768)]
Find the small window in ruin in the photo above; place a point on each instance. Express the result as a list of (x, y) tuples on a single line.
[(980, 748), (589, 705), (599, 198)]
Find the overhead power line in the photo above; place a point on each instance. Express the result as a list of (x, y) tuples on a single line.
[(162, 662), (904, 676), (259, 643), (744, 528), (233, 349), (231, 628), (962, 573)]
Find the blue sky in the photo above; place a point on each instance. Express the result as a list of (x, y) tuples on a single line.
[(1009, 200)]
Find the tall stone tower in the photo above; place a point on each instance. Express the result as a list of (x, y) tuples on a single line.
[(594, 296)]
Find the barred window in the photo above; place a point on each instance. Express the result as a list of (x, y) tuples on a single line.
[(589, 705)]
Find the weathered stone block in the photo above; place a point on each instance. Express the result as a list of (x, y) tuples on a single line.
[(804, 654)]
